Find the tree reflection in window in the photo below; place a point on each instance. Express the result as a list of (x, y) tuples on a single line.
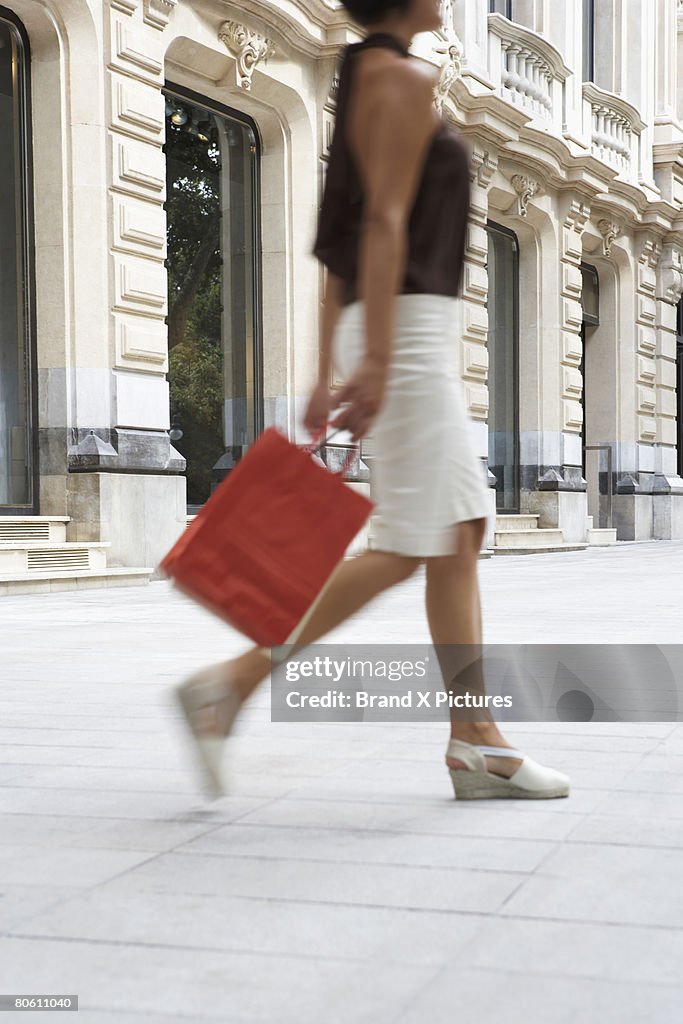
[(195, 303)]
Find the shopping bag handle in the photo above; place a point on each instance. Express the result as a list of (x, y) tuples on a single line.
[(314, 447)]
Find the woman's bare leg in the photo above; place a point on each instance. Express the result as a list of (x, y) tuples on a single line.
[(454, 614), (356, 581)]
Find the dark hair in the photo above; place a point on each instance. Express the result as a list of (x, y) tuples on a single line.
[(365, 12)]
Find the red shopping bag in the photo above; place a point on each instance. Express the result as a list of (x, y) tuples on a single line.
[(266, 542)]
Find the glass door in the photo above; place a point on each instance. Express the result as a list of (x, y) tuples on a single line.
[(503, 380), (213, 265), (17, 485)]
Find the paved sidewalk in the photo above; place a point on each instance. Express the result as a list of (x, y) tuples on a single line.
[(340, 883)]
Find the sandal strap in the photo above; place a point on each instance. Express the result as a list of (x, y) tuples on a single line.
[(501, 752)]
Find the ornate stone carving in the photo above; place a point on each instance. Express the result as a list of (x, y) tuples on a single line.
[(482, 166), (157, 12), (609, 231), (248, 47), (526, 188), (451, 69)]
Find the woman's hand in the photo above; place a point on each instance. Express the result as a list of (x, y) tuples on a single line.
[(364, 391), (318, 409)]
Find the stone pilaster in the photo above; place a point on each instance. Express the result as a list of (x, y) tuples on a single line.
[(635, 460), (574, 219), (473, 357), (561, 495), (667, 486), (126, 490)]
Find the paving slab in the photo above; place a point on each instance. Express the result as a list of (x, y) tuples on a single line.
[(339, 881)]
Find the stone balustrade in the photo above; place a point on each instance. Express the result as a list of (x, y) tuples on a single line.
[(527, 71), (615, 130)]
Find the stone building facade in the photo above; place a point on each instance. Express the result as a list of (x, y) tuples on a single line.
[(163, 162)]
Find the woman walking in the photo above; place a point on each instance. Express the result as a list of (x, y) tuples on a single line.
[(392, 234)]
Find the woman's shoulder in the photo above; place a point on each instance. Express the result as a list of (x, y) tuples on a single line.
[(394, 81)]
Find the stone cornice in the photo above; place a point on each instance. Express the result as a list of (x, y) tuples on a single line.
[(549, 156), (511, 32), (311, 27)]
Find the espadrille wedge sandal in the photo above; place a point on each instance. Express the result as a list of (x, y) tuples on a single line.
[(207, 689), (531, 781)]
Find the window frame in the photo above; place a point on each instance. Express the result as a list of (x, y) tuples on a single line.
[(588, 41), (28, 261), (501, 229), (172, 89), (494, 8), (587, 269)]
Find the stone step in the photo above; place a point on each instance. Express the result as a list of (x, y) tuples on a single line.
[(32, 557), (534, 550), (49, 582), (525, 521), (527, 538), (41, 529), (602, 536)]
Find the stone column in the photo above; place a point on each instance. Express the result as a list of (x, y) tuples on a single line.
[(124, 485), (667, 495)]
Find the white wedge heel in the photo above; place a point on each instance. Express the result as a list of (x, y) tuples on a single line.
[(531, 781), (199, 691)]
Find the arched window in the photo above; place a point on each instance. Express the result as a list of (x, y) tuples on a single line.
[(212, 171), (17, 379)]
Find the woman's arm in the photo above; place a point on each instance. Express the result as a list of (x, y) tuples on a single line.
[(320, 401), (331, 310)]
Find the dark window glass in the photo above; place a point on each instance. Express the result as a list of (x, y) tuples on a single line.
[(590, 295), (16, 406), (588, 40), (503, 374), (501, 7), (679, 387), (213, 280)]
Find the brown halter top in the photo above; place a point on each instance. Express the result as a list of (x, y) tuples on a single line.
[(438, 220)]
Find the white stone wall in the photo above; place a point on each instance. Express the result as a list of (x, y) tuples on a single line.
[(589, 171)]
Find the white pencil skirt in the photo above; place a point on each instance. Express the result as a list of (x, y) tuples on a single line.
[(425, 474)]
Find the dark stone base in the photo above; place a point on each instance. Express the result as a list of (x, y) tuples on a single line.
[(552, 478), (123, 451)]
